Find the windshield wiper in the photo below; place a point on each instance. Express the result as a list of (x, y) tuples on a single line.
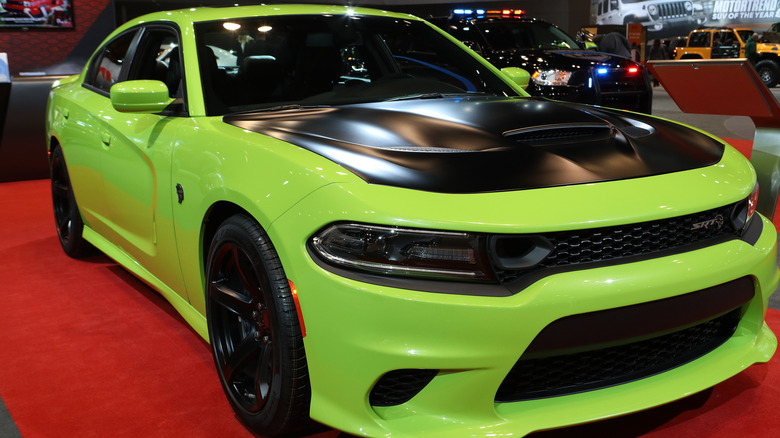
[(435, 95), (417, 96), (292, 106)]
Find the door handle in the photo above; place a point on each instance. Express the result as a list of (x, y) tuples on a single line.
[(106, 138)]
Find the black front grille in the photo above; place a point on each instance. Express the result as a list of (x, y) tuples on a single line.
[(624, 241), (584, 246), (594, 369), (621, 81)]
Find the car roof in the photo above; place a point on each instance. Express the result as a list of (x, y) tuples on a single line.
[(203, 14)]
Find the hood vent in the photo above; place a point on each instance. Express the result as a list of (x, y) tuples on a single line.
[(544, 135)]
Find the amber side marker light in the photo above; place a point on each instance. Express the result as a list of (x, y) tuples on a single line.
[(297, 308)]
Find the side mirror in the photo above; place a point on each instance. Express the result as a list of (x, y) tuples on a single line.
[(518, 76), (143, 96)]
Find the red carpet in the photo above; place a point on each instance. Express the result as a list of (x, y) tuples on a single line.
[(89, 351)]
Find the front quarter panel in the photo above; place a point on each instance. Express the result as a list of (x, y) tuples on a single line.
[(216, 163)]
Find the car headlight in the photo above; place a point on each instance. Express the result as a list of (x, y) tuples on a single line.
[(551, 77), (404, 251), (652, 10), (688, 6)]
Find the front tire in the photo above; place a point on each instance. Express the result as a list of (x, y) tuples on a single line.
[(769, 72), (67, 218), (254, 330)]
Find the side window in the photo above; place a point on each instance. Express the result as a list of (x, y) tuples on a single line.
[(721, 39), (731, 39), (699, 39), (159, 58), (107, 66)]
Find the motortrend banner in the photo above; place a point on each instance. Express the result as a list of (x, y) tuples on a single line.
[(666, 18), (744, 11)]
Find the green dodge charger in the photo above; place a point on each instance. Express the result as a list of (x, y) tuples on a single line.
[(377, 230)]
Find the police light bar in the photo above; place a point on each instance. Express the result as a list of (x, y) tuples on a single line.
[(468, 12), (489, 12)]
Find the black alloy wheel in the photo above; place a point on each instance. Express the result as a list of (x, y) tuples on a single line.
[(66, 212), (254, 331)]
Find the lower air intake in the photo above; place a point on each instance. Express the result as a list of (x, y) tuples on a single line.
[(399, 386), (594, 369)]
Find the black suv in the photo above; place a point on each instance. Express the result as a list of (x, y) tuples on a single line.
[(559, 65)]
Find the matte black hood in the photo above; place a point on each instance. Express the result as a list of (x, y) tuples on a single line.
[(485, 144)]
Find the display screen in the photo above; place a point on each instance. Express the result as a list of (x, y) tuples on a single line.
[(52, 14)]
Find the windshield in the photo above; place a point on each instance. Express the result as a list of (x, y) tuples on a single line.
[(509, 34), (267, 62)]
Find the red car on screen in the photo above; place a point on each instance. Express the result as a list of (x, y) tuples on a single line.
[(32, 8)]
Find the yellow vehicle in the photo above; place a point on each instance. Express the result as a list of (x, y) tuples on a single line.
[(724, 42)]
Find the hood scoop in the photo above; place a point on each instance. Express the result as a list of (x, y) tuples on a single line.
[(588, 144), (563, 133)]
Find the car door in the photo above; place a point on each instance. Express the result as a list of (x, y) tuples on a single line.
[(136, 160), (82, 118), (725, 45)]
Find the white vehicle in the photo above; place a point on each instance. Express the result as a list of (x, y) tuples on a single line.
[(656, 15)]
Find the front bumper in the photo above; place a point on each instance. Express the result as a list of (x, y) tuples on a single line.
[(358, 332)]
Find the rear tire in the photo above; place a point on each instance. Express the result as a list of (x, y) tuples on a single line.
[(255, 334), (769, 72), (67, 218)]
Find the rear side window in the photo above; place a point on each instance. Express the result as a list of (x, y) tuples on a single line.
[(107, 66)]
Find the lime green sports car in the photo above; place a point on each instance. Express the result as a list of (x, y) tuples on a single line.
[(379, 231)]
